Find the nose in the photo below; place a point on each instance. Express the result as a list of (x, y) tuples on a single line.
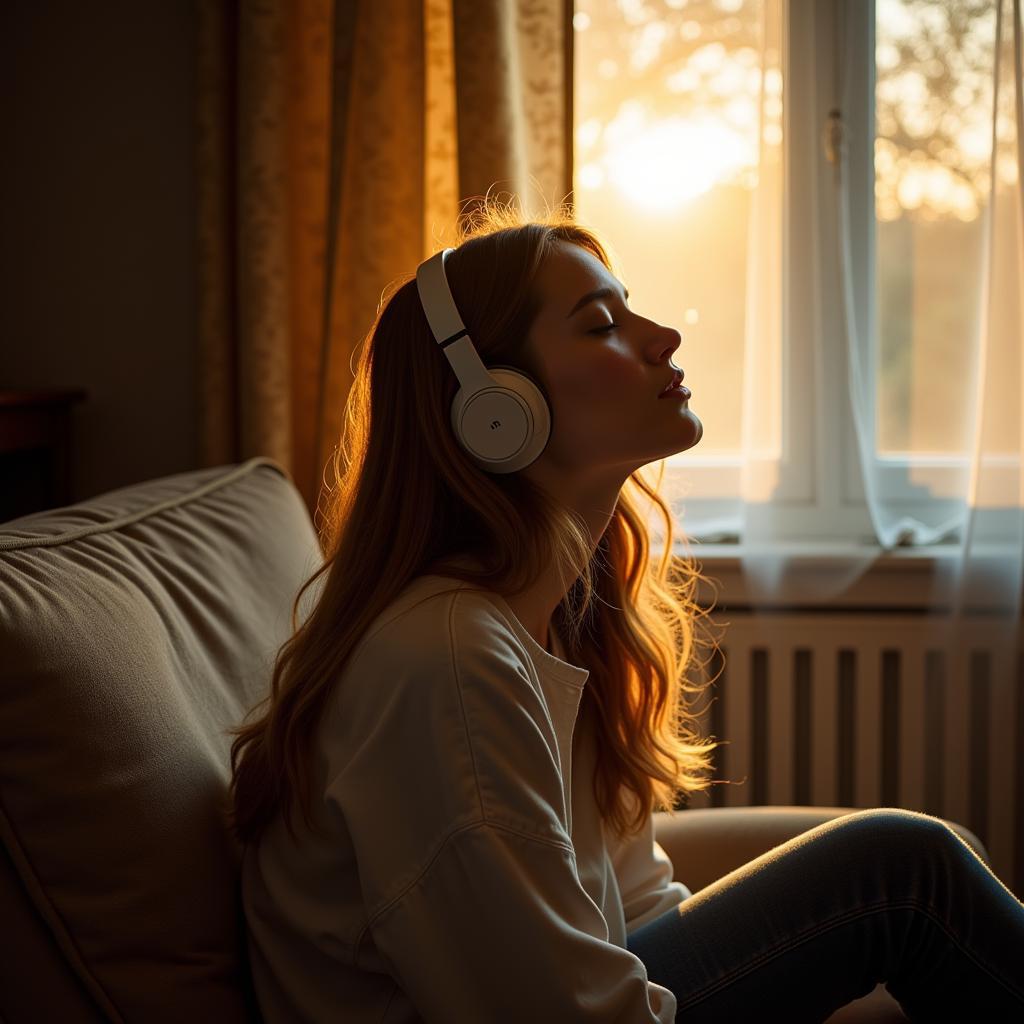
[(669, 340)]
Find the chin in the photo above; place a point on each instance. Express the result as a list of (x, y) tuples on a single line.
[(699, 431)]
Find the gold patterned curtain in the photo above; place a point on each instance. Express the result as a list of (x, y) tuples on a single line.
[(337, 145)]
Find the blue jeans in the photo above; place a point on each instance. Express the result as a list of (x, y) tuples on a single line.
[(883, 895)]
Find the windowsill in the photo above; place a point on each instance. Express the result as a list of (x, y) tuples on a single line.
[(812, 577), (833, 553)]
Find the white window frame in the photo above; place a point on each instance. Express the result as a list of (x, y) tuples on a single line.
[(819, 500)]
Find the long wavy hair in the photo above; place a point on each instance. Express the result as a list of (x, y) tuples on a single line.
[(405, 498)]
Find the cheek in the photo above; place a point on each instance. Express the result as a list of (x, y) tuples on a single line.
[(608, 376)]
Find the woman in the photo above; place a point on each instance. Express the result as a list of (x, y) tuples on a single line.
[(487, 702)]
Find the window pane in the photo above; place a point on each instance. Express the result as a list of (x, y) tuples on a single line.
[(667, 150), (933, 123)]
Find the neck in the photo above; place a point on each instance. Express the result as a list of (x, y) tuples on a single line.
[(535, 605)]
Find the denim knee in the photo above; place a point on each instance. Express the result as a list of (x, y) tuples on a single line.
[(896, 830)]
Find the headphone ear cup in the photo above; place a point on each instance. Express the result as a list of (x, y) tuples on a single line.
[(505, 428)]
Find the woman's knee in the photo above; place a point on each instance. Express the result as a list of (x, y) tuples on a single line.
[(896, 829)]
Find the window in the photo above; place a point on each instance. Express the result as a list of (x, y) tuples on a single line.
[(932, 150), (681, 107)]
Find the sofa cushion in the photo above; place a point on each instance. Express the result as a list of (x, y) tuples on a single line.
[(135, 628)]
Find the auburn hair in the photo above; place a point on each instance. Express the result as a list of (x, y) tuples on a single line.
[(405, 497)]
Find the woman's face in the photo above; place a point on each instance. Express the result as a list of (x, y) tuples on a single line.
[(603, 368)]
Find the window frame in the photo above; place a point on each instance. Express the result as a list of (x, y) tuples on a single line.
[(819, 499)]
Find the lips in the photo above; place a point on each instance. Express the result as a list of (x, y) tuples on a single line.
[(676, 381)]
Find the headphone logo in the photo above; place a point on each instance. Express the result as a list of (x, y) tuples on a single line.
[(495, 424)]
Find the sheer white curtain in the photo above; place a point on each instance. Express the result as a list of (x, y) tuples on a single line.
[(982, 581), (979, 578)]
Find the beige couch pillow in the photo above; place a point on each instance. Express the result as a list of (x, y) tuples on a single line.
[(134, 628)]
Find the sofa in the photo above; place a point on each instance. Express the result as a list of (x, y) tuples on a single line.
[(135, 628)]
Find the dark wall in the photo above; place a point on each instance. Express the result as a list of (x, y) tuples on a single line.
[(97, 249)]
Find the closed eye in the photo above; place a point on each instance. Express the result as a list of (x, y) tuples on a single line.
[(603, 330)]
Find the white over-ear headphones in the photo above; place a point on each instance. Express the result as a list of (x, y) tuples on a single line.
[(500, 415)]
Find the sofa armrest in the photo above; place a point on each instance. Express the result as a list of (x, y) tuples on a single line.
[(708, 842)]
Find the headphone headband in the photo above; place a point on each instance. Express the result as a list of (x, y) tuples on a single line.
[(447, 326)]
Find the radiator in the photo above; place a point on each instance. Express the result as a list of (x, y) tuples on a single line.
[(863, 711)]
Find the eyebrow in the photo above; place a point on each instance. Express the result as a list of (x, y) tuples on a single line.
[(597, 293)]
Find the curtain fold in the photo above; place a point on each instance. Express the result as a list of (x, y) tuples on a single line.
[(338, 143)]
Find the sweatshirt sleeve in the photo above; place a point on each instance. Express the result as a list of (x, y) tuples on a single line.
[(645, 872), (454, 802)]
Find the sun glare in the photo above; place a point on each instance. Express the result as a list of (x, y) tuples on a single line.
[(666, 164)]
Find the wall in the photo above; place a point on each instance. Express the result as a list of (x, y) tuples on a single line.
[(97, 248)]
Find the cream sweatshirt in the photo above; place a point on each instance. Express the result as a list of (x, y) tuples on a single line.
[(465, 876)]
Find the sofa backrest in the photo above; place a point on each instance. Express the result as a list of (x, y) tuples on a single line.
[(135, 628)]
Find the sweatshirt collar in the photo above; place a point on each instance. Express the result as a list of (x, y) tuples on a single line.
[(545, 662)]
